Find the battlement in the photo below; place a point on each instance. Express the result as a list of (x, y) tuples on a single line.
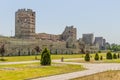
[(25, 10)]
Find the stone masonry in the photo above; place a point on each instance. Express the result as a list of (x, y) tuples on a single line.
[(70, 31), (25, 24), (88, 38)]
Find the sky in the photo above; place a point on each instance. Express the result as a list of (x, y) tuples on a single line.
[(101, 17)]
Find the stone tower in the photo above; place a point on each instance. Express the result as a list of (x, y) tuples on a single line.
[(88, 38), (69, 31), (25, 24), (101, 42)]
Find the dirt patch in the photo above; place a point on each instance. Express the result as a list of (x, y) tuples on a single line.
[(10, 69), (109, 75)]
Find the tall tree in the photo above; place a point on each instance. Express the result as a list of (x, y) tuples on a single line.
[(37, 49), (2, 51)]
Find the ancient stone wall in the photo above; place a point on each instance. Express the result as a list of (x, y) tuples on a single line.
[(25, 24), (45, 36)]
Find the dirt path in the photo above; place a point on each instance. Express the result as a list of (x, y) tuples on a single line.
[(91, 69)]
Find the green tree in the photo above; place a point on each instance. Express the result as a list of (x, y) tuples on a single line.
[(109, 55), (96, 57), (114, 56), (87, 57), (45, 57), (19, 52), (101, 57), (2, 51), (118, 55), (37, 49)]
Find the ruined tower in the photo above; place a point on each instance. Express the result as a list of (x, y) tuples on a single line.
[(25, 24), (69, 31)]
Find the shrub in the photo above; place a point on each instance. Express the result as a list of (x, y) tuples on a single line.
[(45, 57), (109, 55), (118, 55), (87, 57), (99, 51), (101, 57), (114, 56), (96, 57)]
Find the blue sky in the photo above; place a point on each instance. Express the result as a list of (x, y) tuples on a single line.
[(101, 17)]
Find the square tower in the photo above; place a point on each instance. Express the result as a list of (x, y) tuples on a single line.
[(88, 38), (25, 24)]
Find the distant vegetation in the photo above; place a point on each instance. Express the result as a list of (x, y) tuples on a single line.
[(114, 47)]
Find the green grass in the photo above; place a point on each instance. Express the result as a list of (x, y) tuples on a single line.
[(93, 61), (28, 58), (112, 61), (34, 70), (109, 75)]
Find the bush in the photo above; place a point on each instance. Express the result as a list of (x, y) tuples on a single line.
[(101, 57), (96, 57), (114, 56), (99, 51), (87, 57), (118, 55), (109, 55), (45, 57)]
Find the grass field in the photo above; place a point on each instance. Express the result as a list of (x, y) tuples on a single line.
[(34, 70), (109, 75), (93, 61), (28, 58)]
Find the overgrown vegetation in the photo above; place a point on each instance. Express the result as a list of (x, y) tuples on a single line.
[(114, 47)]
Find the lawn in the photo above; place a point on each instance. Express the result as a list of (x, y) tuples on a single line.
[(34, 70), (29, 58), (109, 75), (93, 61)]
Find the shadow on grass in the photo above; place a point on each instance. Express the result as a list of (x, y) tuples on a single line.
[(3, 59)]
